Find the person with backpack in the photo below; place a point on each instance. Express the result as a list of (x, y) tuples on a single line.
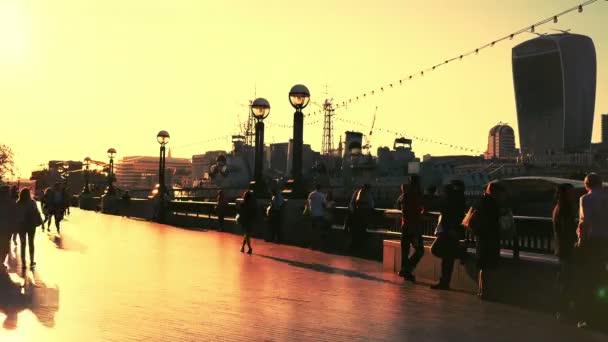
[(411, 205), (28, 218), (247, 216)]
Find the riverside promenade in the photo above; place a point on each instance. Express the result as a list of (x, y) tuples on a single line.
[(111, 278)]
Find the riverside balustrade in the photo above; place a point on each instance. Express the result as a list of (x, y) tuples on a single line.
[(532, 234)]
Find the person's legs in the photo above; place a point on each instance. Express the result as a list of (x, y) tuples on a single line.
[(447, 268), (22, 239), (58, 218), (220, 223), (243, 244), (405, 252), (248, 239), (5, 242), (30, 235), (418, 244)]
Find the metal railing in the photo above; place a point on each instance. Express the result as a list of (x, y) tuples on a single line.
[(532, 234)]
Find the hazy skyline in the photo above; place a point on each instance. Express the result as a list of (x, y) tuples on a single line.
[(81, 76)]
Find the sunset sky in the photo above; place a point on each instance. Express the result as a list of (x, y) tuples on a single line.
[(80, 76)]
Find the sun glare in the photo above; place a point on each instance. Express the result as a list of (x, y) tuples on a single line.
[(15, 29)]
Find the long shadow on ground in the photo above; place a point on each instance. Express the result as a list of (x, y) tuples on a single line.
[(329, 269)]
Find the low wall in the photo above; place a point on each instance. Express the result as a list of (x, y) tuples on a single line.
[(528, 282)]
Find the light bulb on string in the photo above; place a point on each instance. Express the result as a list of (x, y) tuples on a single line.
[(580, 8), (555, 19), (532, 28)]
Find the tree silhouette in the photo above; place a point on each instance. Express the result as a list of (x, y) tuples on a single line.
[(7, 166)]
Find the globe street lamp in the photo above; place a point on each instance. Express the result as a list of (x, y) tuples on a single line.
[(299, 97), (87, 162), (260, 108), (163, 139), (111, 155)]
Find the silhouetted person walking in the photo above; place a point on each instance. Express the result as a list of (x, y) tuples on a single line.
[(56, 204), (592, 252), (450, 232), (126, 203), (488, 236), (247, 217), (221, 206), (28, 218), (275, 215), (564, 232), (411, 206), (14, 195), (316, 202), (45, 203), (7, 224)]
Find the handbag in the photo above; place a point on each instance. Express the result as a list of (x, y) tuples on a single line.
[(34, 218)]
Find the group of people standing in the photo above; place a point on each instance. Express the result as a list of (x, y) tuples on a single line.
[(581, 244)]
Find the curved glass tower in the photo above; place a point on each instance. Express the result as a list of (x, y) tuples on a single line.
[(554, 77)]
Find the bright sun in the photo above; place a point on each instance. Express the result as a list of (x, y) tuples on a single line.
[(15, 32)]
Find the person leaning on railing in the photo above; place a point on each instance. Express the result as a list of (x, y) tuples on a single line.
[(592, 251), (449, 233), (564, 232)]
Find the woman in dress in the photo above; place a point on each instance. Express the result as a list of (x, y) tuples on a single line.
[(488, 236), (247, 216), (28, 218)]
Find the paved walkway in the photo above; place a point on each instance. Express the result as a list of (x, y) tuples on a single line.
[(117, 279)]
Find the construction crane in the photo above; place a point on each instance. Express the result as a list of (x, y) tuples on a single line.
[(247, 127), (328, 137), (368, 138)]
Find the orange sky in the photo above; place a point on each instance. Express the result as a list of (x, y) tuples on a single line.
[(78, 77)]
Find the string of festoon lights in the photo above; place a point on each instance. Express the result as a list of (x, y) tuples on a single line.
[(422, 72), (418, 138)]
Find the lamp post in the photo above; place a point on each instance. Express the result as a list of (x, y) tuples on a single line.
[(260, 108), (87, 162), (299, 96), (163, 139), (111, 155)]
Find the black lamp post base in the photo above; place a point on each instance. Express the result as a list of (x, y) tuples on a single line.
[(259, 189), (294, 189)]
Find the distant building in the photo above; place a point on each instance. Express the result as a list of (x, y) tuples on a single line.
[(604, 128), (395, 162), (278, 157), (135, 172), (555, 81), (501, 142)]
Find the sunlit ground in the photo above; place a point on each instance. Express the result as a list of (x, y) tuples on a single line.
[(116, 279)]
